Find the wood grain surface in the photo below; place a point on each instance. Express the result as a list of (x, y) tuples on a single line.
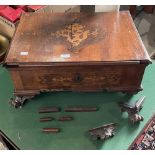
[(76, 52), (76, 37), (78, 78)]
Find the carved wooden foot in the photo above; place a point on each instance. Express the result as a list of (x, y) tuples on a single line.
[(135, 118), (19, 101)]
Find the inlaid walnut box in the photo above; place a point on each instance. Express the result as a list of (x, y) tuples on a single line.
[(76, 52)]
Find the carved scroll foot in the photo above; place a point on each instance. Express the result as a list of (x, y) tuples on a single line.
[(19, 101), (135, 118)]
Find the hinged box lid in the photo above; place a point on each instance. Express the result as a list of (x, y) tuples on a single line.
[(76, 37)]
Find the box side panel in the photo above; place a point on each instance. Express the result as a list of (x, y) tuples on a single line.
[(18, 83)]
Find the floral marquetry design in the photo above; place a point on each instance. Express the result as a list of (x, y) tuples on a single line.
[(78, 34), (106, 79)]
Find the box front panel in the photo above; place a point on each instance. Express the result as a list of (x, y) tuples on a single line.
[(80, 78)]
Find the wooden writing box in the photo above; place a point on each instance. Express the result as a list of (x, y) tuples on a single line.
[(76, 52)]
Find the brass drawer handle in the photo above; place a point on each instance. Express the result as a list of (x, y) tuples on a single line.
[(78, 77)]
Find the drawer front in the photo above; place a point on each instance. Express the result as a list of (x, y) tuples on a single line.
[(82, 78)]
